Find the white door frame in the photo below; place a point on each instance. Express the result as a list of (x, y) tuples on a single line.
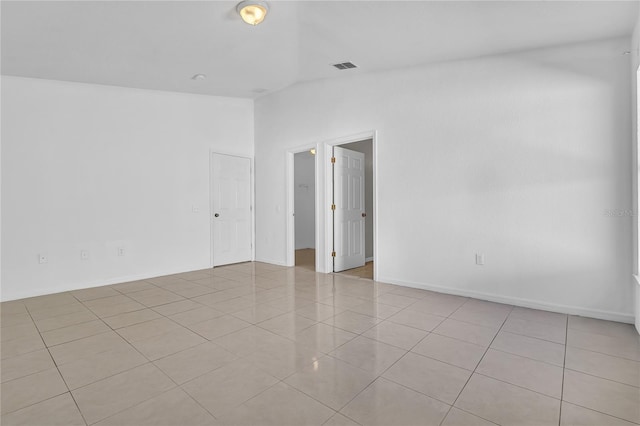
[(328, 195), (252, 198), (290, 210), (324, 195)]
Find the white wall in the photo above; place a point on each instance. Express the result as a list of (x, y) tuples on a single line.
[(635, 64), (305, 200), (515, 156), (98, 167), (366, 147)]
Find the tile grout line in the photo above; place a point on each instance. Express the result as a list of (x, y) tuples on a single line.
[(602, 378), (407, 351), (514, 333), (115, 374), (462, 368), (377, 376), (606, 354), (477, 365), (70, 325), (394, 363), (114, 331), (527, 357), (564, 368), (191, 347), (177, 386), (149, 361), (259, 393), (517, 386), (59, 372), (358, 335), (532, 337), (600, 412)]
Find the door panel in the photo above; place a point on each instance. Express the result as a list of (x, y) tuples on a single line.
[(348, 220), (231, 201)]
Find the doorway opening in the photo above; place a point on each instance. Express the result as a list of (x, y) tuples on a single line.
[(304, 208), (353, 208), (323, 188)]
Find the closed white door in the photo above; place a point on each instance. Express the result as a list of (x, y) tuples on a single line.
[(231, 204), (349, 214)]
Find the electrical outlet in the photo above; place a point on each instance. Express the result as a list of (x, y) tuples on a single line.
[(42, 258), (121, 251), (84, 254), (480, 259)]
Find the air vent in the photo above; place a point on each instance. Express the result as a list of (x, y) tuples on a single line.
[(345, 65)]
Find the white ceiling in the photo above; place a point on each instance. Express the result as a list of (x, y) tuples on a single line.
[(161, 44)]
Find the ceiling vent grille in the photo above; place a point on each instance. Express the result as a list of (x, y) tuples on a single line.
[(345, 65)]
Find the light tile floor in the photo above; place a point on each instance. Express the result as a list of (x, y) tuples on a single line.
[(257, 344), (306, 259), (365, 271)]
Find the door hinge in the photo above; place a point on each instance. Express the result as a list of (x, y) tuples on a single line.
[(333, 160), (333, 206), (333, 254)]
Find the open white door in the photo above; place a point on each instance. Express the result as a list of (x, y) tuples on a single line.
[(231, 204), (349, 214)]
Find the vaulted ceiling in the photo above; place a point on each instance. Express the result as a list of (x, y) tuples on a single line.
[(162, 44)]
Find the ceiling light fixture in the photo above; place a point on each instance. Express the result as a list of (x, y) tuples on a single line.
[(199, 77), (252, 11)]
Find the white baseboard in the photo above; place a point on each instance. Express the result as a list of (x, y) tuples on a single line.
[(637, 303), (516, 301), (369, 259), (527, 303), (273, 262), (101, 282)]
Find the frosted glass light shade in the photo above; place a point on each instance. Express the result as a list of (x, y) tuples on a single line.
[(252, 12)]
